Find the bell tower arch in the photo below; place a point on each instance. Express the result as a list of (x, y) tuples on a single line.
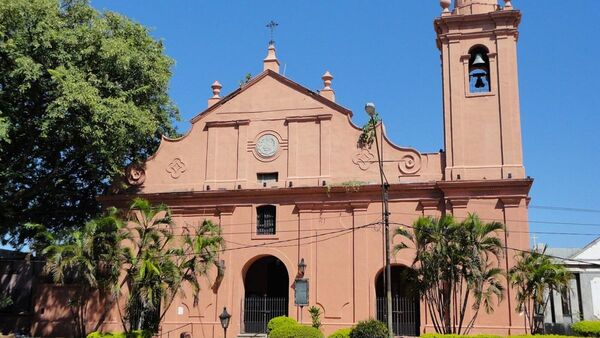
[(482, 124)]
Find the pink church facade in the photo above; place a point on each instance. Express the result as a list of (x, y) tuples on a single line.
[(280, 169)]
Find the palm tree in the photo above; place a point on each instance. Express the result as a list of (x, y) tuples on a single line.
[(157, 267), (85, 260), (456, 265), (535, 276)]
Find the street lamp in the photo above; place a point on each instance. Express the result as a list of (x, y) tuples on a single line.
[(370, 109), (224, 318), (301, 267)]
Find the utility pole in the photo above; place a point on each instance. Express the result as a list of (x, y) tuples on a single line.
[(370, 109)]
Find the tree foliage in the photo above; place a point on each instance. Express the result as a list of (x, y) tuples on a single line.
[(141, 258), (367, 136), (88, 260), (534, 276), (158, 263), (82, 95), (456, 266)]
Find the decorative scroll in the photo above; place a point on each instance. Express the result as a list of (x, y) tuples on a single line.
[(363, 159), (136, 175), (176, 168), (410, 164)]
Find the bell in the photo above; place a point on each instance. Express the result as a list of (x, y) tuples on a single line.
[(478, 60), (479, 83)]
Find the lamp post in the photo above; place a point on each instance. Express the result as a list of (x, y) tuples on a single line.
[(370, 109), (301, 287), (224, 318)]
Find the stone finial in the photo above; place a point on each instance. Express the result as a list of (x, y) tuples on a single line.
[(327, 92), (216, 89), (445, 4), (327, 77), (271, 61), (507, 5)]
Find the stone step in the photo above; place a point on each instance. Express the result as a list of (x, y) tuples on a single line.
[(252, 335)]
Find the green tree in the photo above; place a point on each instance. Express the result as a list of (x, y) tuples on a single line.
[(456, 265), (82, 95), (534, 276), (160, 263), (88, 260)]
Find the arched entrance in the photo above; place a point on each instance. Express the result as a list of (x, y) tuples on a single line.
[(266, 285), (405, 301)]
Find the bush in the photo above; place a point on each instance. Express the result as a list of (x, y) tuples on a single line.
[(369, 329), (280, 321), (341, 333), (132, 334), (295, 331), (587, 328), (439, 335), (542, 336)]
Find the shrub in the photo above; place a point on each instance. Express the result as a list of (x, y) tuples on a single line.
[(280, 321), (587, 328), (369, 329), (95, 334), (132, 334), (542, 336), (295, 331), (341, 333), (439, 335), (315, 316)]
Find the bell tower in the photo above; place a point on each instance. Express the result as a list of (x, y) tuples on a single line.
[(482, 125)]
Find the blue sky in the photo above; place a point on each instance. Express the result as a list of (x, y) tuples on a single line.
[(384, 51)]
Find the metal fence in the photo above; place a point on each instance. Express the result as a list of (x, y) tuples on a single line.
[(405, 315), (259, 310)]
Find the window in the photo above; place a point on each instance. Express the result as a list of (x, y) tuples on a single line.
[(479, 70), (267, 178), (566, 302), (265, 220)]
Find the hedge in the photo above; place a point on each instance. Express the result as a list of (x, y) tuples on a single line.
[(369, 329), (439, 335), (280, 321), (543, 336), (587, 328), (341, 333), (132, 334), (295, 331)]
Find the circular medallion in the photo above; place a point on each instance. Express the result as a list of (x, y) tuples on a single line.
[(267, 145)]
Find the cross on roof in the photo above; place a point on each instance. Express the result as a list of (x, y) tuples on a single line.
[(271, 26)]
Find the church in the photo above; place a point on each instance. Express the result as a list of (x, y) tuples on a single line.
[(296, 191)]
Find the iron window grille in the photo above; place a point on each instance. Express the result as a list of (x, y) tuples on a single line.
[(265, 220)]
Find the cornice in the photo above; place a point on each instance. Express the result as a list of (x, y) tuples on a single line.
[(310, 118), (428, 194), (212, 124), (486, 188), (496, 16), (333, 205)]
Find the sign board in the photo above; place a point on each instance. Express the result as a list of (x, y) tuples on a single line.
[(301, 295)]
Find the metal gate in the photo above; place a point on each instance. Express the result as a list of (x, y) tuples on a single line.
[(259, 310), (405, 315)]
